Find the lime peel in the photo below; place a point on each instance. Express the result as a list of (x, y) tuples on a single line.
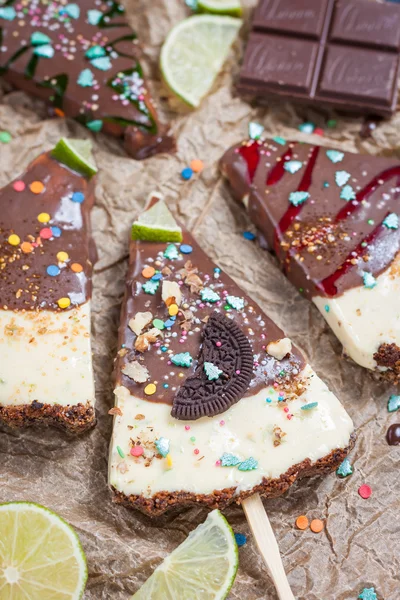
[(206, 562), (75, 154), (221, 7), (157, 224)]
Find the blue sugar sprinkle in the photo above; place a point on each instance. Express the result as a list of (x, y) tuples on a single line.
[(268, 400), (53, 270), (248, 235), (187, 173), (56, 231), (241, 539), (156, 277), (327, 309), (186, 249), (78, 197)]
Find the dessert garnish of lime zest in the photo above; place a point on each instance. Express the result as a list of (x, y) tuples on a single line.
[(77, 155), (39, 552), (221, 7), (157, 225), (204, 564), (194, 53)]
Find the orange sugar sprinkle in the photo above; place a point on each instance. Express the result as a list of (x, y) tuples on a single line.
[(59, 112), (316, 525), (197, 165), (76, 268), (26, 247), (36, 187), (148, 272), (302, 522)]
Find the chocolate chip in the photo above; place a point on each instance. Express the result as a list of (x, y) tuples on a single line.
[(225, 346), (37, 405)]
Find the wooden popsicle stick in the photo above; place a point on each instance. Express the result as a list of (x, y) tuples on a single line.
[(267, 544)]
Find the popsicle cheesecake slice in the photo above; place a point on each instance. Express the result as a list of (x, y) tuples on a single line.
[(83, 60), (212, 401), (46, 258), (332, 219)]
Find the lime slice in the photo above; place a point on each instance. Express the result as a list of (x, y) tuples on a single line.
[(77, 155), (222, 7), (157, 225), (194, 53), (203, 566), (41, 557)]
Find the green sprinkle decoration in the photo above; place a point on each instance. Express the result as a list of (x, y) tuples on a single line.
[(38, 39), (391, 221), (212, 371), (393, 403), (192, 4), (331, 124), (171, 252), (72, 11), (292, 166), (327, 308), (5, 137), (307, 127), (344, 469), (94, 16), (371, 222), (335, 156), (159, 324), (7, 13), (279, 140), (369, 280), (235, 302), (248, 465), (255, 131), (297, 198), (95, 52), (86, 78), (103, 63), (368, 594), (326, 184), (150, 287), (229, 460), (193, 439), (347, 193), (309, 406), (183, 359), (342, 177), (96, 125), (120, 452), (44, 51), (208, 295), (162, 445)]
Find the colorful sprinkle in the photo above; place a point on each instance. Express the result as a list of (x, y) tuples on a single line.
[(279, 140), (208, 295), (341, 178), (347, 193), (292, 166), (344, 469), (235, 302), (327, 308), (171, 252), (78, 197), (94, 16), (96, 125), (95, 52), (249, 235), (197, 165), (19, 186), (159, 324), (182, 360), (150, 389), (38, 38), (169, 462), (46, 233), (393, 403), (26, 247), (14, 239), (229, 460), (148, 272), (136, 451), (43, 218), (162, 445), (120, 452), (72, 11), (316, 525), (309, 406), (86, 78), (297, 198), (36, 187), (76, 268), (250, 464), (302, 522), (173, 310), (103, 63), (64, 302), (150, 287), (186, 249), (53, 270), (5, 137), (255, 130), (62, 256), (365, 491), (391, 221), (56, 231), (212, 371), (368, 594), (45, 51), (307, 127), (369, 280), (241, 539), (7, 13), (187, 173), (335, 156)]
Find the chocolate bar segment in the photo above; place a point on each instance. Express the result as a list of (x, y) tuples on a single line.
[(84, 60), (342, 54), (333, 220), (46, 261)]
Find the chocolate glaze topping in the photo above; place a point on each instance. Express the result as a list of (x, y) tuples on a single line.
[(194, 272), (393, 435), (82, 59), (46, 251), (324, 212)]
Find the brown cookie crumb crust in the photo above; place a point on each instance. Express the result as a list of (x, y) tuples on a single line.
[(268, 488), (75, 419), (388, 356)]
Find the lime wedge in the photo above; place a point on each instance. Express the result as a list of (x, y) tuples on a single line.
[(221, 7), (203, 566), (194, 53), (41, 557), (77, 155), (157, 225)]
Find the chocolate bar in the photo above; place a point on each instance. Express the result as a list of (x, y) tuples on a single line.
[(333, 220), (213, 401), (83, 60), (342, 54), (46, 258)]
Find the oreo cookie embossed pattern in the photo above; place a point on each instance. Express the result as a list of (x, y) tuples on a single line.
[(340, 53)]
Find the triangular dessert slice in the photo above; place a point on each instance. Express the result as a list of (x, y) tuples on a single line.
[(333, 220), (46, 257), (83, 60), (213, 402)]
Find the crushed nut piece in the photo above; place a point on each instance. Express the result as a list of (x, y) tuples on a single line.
[(136, 371), (278, 435), (142, 343), (280, 348), (140, 321), (115, 411)]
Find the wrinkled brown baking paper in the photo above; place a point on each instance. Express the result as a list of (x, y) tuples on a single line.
[(360, 544)]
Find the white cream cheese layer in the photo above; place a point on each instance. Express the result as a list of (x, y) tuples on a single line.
[(364, 318), (46, 356), (244, 431)]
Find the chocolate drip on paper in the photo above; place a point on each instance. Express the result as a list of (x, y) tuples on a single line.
[(326, 243), (67, 198), (83, 60)]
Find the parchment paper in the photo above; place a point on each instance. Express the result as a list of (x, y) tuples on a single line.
[(360, 545)]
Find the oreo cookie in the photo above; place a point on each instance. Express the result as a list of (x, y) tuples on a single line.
[(223, 373)]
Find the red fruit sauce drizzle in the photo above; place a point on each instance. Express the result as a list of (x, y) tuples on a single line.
[(251, 154)]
